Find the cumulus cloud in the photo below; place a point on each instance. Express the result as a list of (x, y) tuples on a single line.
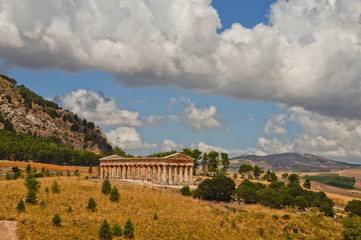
[(274, 145), (127, 138), (204, 147), (169, 145), (276, 124), (155, 120), (99, 109), (309, 55)]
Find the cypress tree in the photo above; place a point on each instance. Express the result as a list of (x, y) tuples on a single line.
[(106, 187), (117, 230), (28, 168), (21, 205), (55, 188), (91, 204), (114, 194), (105, 231), (307, 183), (129, 229)]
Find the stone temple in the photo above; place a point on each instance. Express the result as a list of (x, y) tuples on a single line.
[(175, 169)]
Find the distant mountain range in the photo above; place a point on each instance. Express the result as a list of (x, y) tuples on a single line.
[(291, 162)]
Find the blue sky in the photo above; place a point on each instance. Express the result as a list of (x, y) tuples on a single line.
[(245, 77)]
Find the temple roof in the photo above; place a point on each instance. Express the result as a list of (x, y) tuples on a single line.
[(174, 156)]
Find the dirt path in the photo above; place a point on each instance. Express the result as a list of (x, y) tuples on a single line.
[(8, 230)]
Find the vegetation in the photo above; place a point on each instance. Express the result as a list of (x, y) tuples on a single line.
[(185, 191), (105, 231), (294, 178), (55, 188), (219, 188), (91, 204), (114, 194), (106, 186), (117, 230), (31, 197), (21, 146), (129, 229), (57, 220), (354, 207), (307, 183), (21, 205), (335, 179)]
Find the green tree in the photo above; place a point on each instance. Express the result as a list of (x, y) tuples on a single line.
[(105, 231), (294, 178), (76, 172), (55, 188), (28, 168), (8, 176), (196, 155), (56, 220), (307, 183), (8, 125), (185, 191), (257, 171), (34, 170), (90, 171), (91, 204), (68, 173), (219, 188), (213, 162), (128, 229), (270, 176), (155, 216), (244, 168), (106, 186), (47, 173), (235, 176), (352, 228), (43, 170), (21, 205), (31, 197), (117, 230), (269, 197), (114, 194), (225, 162), (205, 163), (31, 183), (285, 176), (354, 207)]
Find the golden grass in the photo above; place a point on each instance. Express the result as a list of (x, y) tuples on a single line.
[(179, 217)]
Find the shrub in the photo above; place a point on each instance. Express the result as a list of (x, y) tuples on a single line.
[(42, 204), (129, 229), (31, 197), (76, 172), (106, 186), (69, 209), (47, 190), (68, 173), (57, 220), (352, 226), (55, 188), (354, 207), (105, 232), (269, 197), (307, 183), (31, 183), (8, 176), (219, 188), (246, 193), (294, 178), (114, 194), (185, 191), (155, 216), (21, 206), (117, 230), (286, 217), (91, 204), (28, 168), (301, 202)]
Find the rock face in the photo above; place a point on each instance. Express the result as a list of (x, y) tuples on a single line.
[(29, 113)]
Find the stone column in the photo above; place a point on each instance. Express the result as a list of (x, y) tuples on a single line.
[(175, 182), (169, 175), (101, 176), (186, 174), (116, 171), (130, 172), (159, 178), (180, 174), (149, 175), (191, 175), (164, 174)]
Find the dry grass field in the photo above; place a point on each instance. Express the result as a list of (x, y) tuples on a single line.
[(180, 217)]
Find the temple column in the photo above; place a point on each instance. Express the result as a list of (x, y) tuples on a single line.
[(123, 172), (101, 176), (191, 175), (180, 174), (164, 172), (117, 172), (169, 175), (149, 174), (130, 169), (186, 174), (159, 179), (175, 182)]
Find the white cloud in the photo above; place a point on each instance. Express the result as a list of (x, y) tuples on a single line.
[(276, 124), (155, 120), (251, 117), (201, 119), (99, 109), (274, 145), (127, 138), (204, 147), (309, 55), (169, 145)]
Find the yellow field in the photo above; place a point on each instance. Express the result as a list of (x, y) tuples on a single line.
[(179, 217)]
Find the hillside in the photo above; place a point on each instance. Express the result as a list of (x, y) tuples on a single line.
[(291, 162), (26, 112)]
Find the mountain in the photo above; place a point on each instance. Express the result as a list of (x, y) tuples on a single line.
[(28, 113), (291, 162)]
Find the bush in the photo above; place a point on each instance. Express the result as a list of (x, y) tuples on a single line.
[(57, 220), (294, 178), (129, 229), (105, 232), (21, 206), (352, 226), (246, 193), (185, 191), (117, 230), (114, 194), (55, 188), (354, 207), (106, 186), (69, 209), (301, 202), (42, 204), (269, 197), (31, 183), (155, 216), (219, 188), (76, 172), (91, 204), (307, 183), (31, 197)]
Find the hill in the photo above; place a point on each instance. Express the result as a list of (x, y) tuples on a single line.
[(28, 113), (291, 162)]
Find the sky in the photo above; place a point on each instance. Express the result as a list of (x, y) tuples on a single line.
[(236, 76)]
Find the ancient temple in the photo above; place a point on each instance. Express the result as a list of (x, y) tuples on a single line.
[(175, 169)]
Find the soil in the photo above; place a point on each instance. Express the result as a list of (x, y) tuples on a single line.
[(8, 230)]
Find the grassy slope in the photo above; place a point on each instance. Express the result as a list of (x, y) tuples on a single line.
[(179, 217)]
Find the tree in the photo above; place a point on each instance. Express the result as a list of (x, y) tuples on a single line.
[(185, 191), (28, 168), (270, 176), (114, 194), (47, 173), (43, 170), (354, 207), (117, 230), (285, 175), (205, 163), (8, 125), (8, 176), (244, 168), (31, 183), (106, 186), (21, 205), (352, 226), (68, 173), (128, 229), (105, 231), (301, 202), (15, 169), (257, 171), (235, 176), (225, 162), (269, 197), (31, 197), (55, 188), (294, 178), (91, 204), (213, 162), (307, 183), (76, 172), (57, 220), (219, 188), (155, 216), (196, 155), (90, 170)]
